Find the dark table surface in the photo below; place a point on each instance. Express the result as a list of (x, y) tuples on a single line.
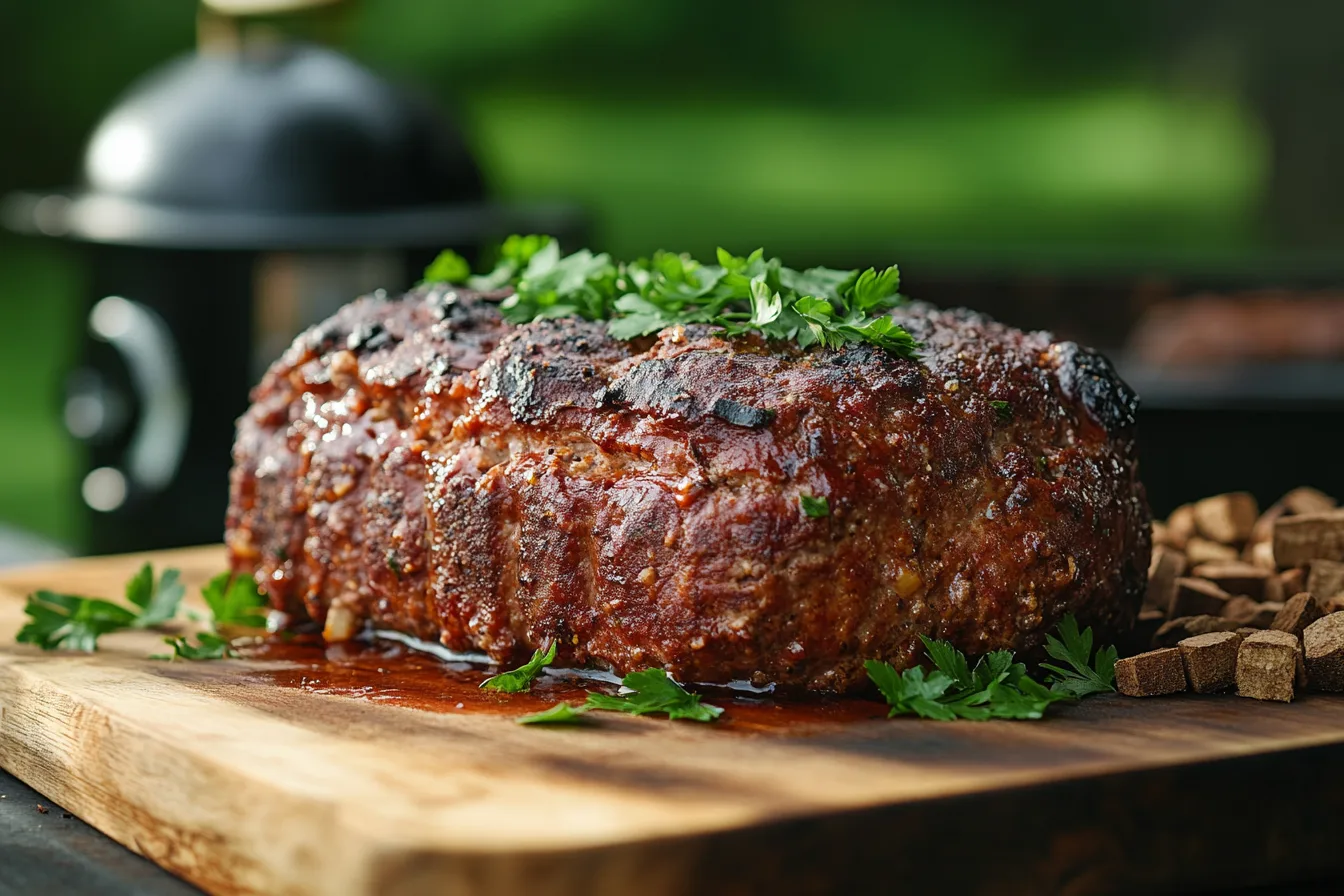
[(53, 852)]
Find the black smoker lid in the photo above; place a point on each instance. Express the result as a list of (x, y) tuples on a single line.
[(274, 146)]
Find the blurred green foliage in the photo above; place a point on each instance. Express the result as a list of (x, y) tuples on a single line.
[(846, 133)]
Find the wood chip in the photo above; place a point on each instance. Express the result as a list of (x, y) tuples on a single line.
[(1291, 581), (1267, 665), (1298, 612), (1201, 550), (1244, 611), (1174, 631), (1197, 597), (1307, 500), (1236, 577), (1151, 674), (1333, 605), (1261, 554), (1300, 539), (1263, 530), (1181, 525), (1211, 661), (1269, 611), (1166, 567), (1299, 500), (1162, 535), (1226, 519), (1274, 590), (1323, 642), (1326, 579)]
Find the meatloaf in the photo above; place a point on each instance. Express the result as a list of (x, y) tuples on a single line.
[(416, 464)]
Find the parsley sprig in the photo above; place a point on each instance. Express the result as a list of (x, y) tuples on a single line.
[(1085, 675), (654, 691), (817, 306), (520, 679), (559, 714), (208, 646), (234, 600), (67, 622), (648, 692), (997, 687), (70, 622), (235, 603)]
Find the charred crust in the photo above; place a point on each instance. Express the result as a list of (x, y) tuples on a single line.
[(660, 386), (653, 385), (516, 383), (1086, 376), (540, 369), (368, 337), (740, 414)]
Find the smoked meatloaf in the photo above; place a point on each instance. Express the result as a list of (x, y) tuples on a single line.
[(416, 464)]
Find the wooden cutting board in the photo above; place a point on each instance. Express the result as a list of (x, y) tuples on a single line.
[(251, 777)]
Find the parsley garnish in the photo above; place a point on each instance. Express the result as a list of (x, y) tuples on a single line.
[(66, 622), (520, 679), (1086, 675), (997, 688), (1003, 409), (652, 692), (447, 267), (157, 600), (208, 646), (814, 507), (741, 294), (69, 622), (559, 714), (234, 600)]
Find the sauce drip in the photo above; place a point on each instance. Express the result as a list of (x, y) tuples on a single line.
[(393, 674)]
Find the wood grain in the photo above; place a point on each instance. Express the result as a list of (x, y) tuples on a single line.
[(243, 788)]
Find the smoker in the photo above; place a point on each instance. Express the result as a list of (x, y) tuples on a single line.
[(229, 199)]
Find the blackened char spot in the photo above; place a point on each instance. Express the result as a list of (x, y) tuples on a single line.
[(516, 382), (654, 386), (740, 414), (658, 385), (368, 337), (537, 386), (1087, 376)]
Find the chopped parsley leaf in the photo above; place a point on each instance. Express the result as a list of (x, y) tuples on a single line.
[(208, 646), (817, 306), (559, 714), (520, 679), (70, 622), (653, 691), (1086, 675), (447, 267), (157, 600), (67, 622), (814, 507), (235, 600), (997, 687)]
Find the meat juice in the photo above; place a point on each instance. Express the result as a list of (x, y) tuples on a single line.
[(396, 675)]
